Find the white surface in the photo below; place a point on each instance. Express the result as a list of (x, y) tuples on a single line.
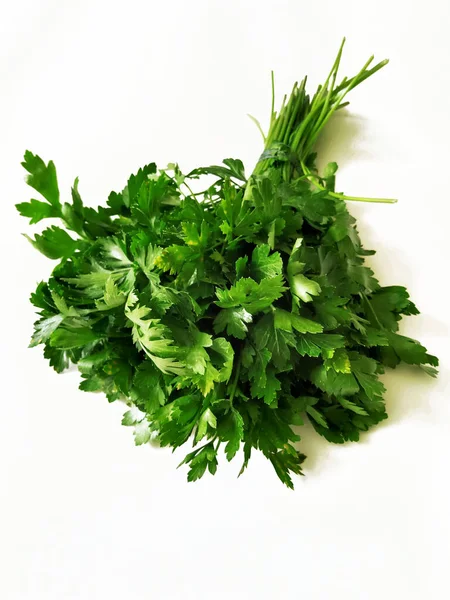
[(104, 87)]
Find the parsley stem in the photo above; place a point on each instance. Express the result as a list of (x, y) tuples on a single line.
[(197, 450), (258, 125), (235, 380), (364, 199), (188, 187), (315, 181), (374, 314), (272, 110), (300, 121)]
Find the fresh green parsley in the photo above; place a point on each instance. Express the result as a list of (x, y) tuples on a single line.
[(229, 316)]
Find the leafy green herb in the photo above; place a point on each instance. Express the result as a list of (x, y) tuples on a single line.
[(231, 315)]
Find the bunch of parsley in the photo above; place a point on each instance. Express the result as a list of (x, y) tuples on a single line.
[(230, 315)]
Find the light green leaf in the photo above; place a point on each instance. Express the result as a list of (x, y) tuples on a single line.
[(301, 287), (112, 298), (142, 433), (265, 265), (288, 321), (225, 352), (132, 417), (304, 288), (252, 296), (54, 243), (340, 361), (44, 328), (36, 210), (241, 266), (152, 337), (234, 320), (42, 177), (147, 257), (75, 338), (207, 418)]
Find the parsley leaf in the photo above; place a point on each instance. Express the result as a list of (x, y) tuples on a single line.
[(54, 243), (252, 296)]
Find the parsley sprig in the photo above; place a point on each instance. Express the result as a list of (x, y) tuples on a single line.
[(228, 316)]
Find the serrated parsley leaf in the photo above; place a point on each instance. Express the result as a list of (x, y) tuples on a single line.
[(152, 337), (359, 410), (389, 303), (147, 388), (234, 320), (319, 344), (42, 177), (206, 419), (302, 287), (231, 430), (112, 297), (66, 339), (334, 383), (408, 350), (54, 243), (44, 328), (265, 265), (277, 341), (288, 321), (252, 296), (269, 390), (36, 210)]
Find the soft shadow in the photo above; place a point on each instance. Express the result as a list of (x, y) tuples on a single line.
[(341, 140), (409, 390), (316, 448), (154, 442), (319, 451), (408, 393), (433, 326)]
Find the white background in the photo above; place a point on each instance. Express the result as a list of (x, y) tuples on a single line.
[(103, 87)]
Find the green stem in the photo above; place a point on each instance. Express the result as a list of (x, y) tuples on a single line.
[(272, 110), (332, 75), (197, 450), (314, 180), (364, 199), (235, 380), (302, 127), (374, 314), (300, 121), (189, 188), (258, 125)]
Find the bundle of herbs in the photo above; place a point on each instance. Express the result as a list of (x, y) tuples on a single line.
[(225, 317)]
